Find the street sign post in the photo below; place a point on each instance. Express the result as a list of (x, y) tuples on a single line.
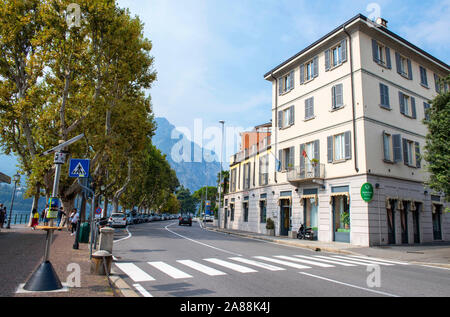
[(79, 168)]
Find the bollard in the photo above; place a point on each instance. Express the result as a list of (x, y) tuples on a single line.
[(101, 263), (106, 239)]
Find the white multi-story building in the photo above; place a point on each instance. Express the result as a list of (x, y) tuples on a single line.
[(347, 111)]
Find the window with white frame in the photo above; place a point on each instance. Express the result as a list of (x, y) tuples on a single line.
[(286, 118), (404, 67), (336, 55), (337, 96), (407, 105), (286, 83), (309, 108), (411, 153), (423, 77), (339, 147)]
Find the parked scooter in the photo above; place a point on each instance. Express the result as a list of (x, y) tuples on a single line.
[(305, 233)]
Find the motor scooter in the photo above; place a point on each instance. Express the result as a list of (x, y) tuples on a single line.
[(305, 233)]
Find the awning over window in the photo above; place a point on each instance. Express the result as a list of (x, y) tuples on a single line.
[(346, 194), (434, 207), (315, 197), (284, 198)]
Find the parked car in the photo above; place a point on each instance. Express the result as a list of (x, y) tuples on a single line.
[(130, 219), (117, 220), (185, 220)]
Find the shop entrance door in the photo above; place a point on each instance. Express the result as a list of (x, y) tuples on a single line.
[(310, 215), (285, 217), (437, 229), (416, 223), (404, 225), (341, 219), (391, 224)]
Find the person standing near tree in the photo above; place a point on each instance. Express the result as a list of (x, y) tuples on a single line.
[(35, 220)]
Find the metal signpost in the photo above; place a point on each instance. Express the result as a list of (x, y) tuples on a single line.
[(45, 277)]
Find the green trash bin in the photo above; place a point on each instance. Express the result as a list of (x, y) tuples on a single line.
[(84, 233)]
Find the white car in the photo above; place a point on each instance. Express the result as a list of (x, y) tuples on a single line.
[(118, 220)]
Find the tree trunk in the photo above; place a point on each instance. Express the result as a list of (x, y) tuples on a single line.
[(105, 207), (122, 190), (37, 195)]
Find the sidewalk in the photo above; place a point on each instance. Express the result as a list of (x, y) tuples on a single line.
[(435, 254), (22, 250)]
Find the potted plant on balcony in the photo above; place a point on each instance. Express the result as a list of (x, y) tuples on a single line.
[(315, 162), (270, 227)]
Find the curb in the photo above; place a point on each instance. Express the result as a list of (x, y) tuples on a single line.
[(121, 286)]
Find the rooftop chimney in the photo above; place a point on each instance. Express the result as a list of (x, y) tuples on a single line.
[(382, 22)]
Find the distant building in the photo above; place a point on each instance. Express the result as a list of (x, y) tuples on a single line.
[(346, 111)]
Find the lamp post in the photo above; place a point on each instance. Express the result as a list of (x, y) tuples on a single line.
[(220, 175), (16, 179)]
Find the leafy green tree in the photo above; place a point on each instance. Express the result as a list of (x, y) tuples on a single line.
[(212, 196), (187, 201), (437, 147)]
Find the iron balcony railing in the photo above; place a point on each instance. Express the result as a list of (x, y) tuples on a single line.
[(307, 172)]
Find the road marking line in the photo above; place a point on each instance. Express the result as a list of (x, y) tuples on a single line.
[(341, 260), (285, 263), (327, 261), (201, 268), (361, 260), (134, 272), (129, 236), (204, 244), (435, 267), (303, 261), (350, 285), (259, 264), (231, 266), (169, 270), (142, 290), (378, 259)]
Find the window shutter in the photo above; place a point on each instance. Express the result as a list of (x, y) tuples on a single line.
[(302, 160), (413, 108), (426, 106), (405, 151), (402, 103), (291, 115), (333, 97), (311, 107), (291, 158), (327, 60), (280, 119), (316, 66), (348, 145), (302, 74), (385, 146), (376, 57), (317, 157), (388, 58), (382, 95), (344, 51), (436, 83), (280, 86), (397, 147), (330, 149), (423, 76), (418, 157), (410, 74), (339, 96), (291, 80), (397, 60)]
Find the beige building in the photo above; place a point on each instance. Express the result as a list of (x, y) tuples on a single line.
[(346, 111)]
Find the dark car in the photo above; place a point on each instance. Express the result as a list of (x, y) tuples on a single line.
[(185, 220)]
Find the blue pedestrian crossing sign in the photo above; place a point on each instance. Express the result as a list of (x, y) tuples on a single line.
[(79, 168)]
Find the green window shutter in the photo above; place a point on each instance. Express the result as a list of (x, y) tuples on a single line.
[(330, 149), (397, 147), (302, 74), (410, 74), (418, 156), (402, 103), (388, 58), (398, 62), (292, 115), (316, 66), (327, 60), (348, 145), (339, 95), (413, 108), (405, 151), (343, 51), (375, 54), (291, 80)]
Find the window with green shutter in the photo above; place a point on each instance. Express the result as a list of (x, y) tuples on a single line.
[(384, 96)]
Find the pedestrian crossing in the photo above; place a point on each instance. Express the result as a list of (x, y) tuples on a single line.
[(215, 267)]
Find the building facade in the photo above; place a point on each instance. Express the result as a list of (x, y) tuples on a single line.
[(347, 111)]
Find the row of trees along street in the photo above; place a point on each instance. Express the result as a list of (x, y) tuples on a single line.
[(58, 80)]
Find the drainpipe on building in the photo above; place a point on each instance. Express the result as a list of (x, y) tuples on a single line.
[(276, 126), (353, 99)]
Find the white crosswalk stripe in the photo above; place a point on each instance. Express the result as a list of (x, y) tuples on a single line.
[(201, 268), (134, 272), (169, 270), (378, 259), (326, 261), (314, 263), (231, 266), (342, 260), (360, 260), (258, 264), (285, 263)]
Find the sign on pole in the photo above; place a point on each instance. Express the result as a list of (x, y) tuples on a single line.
[(79, 168)]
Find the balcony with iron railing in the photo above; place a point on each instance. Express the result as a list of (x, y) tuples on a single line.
[(307, 173)]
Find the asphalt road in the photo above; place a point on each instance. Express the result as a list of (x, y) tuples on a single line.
[(162, 259)]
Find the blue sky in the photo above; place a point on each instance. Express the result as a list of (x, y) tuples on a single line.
[(211, 55)]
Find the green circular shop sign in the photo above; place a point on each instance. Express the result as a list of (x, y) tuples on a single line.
[(367, 192)]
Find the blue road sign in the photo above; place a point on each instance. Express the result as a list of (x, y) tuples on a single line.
[(79, 168)]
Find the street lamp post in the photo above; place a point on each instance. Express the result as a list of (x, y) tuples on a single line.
[(16, 179), (220, 175)]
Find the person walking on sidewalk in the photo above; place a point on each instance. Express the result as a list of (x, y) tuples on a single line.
[(61, 214), (35, 220), (44, 215), (2, 215), (74, 222)]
